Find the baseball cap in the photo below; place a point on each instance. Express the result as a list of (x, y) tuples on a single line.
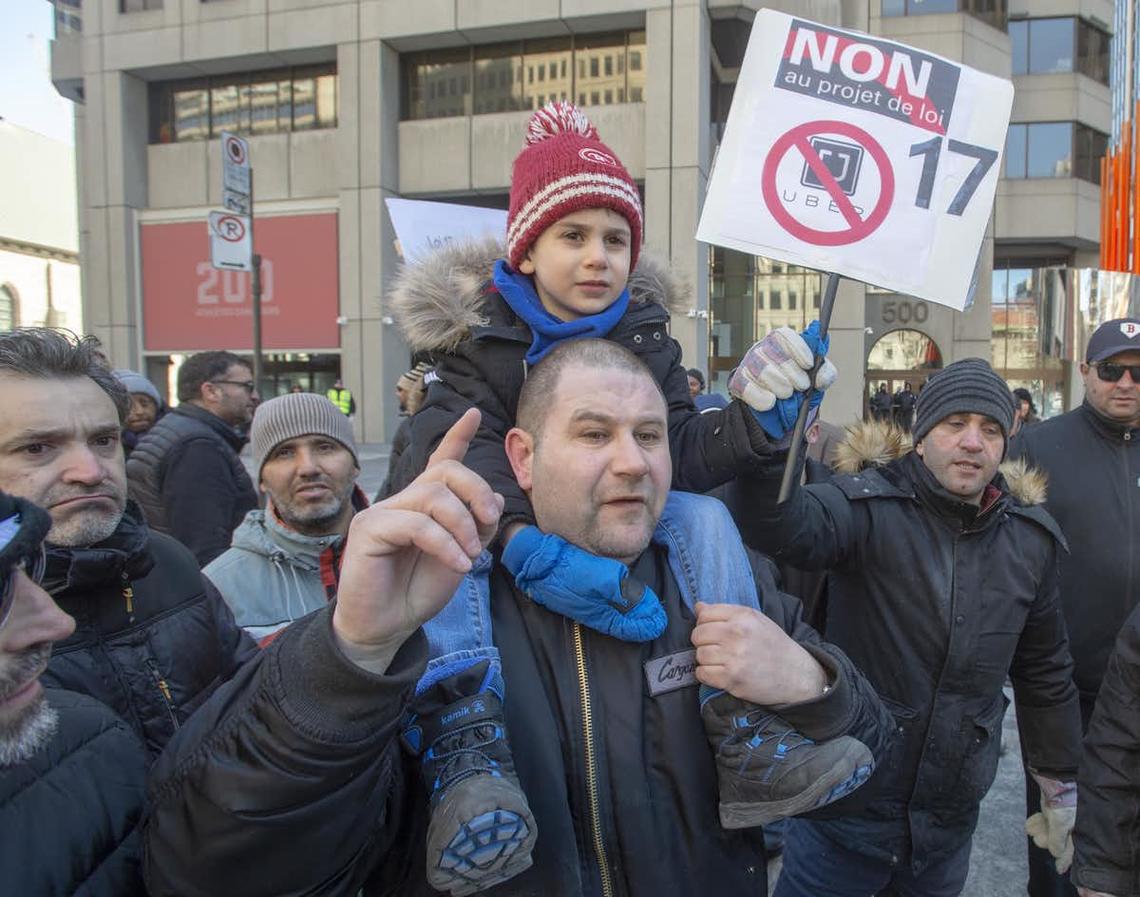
[(1119, 335)]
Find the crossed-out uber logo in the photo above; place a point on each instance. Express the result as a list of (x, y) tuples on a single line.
[(843, 160)]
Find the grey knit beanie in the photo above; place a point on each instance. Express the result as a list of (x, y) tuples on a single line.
[(136, 382), (969, 386), (297, 414)]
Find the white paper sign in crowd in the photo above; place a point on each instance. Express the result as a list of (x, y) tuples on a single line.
[(858, 156), (423, 227)]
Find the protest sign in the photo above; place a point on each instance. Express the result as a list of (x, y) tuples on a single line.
[(423, 227), (858, 156)]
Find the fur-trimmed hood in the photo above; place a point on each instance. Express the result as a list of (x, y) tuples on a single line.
[(876, 443), (438, 301)]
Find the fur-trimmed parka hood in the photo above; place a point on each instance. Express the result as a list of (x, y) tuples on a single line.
[(876, 443), (438, 301)]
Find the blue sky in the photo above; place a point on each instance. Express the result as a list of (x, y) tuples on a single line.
[(27, 97)]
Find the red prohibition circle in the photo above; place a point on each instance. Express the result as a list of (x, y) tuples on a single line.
[(798, 137), (240, 228), (236, 150)]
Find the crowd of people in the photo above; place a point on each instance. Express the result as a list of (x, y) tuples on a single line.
[(564, 650)]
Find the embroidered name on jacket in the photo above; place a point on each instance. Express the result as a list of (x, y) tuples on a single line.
[(673, 671)]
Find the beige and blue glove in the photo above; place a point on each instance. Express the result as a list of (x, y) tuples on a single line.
[(773, 377), (1052, 828)]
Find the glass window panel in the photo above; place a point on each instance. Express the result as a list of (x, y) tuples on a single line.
[(1015, 152), (223, 108), (1090, 146), (435, 81), (263, 108), (1020, 285), (1019, 44), (304, 103), (1051, 45), (635, 67), (930, 7), (776, 300), (1093, 52), (999, 285), (326, 101), (1050, 150), (548, 57), (894, 7), (599, 51), (285, 103), (498, 64)]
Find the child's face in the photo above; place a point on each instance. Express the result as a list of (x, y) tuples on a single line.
[(580, 264)]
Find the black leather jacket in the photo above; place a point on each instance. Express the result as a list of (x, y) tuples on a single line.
[(186, 475), (152, 636)]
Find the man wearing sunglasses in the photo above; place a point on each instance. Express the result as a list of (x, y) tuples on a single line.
[(72, 774), (185, 472), (1092, 457)]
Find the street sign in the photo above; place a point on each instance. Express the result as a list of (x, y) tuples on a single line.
[(235, 164), (858, 156), (236, 202), (231, 242)]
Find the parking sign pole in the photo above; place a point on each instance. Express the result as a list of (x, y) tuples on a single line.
[(255, 276), (792, 465)]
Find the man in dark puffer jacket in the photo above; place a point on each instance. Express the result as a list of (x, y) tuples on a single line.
[(152, 638), (71, 772), (185, 472)]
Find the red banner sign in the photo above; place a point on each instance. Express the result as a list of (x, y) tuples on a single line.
[(189, 306)]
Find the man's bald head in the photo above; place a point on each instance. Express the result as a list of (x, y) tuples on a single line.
[(542, 381)]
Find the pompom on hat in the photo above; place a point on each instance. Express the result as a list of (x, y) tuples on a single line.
[(564, 168)]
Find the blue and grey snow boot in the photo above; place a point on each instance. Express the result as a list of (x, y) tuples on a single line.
[(481, 831)]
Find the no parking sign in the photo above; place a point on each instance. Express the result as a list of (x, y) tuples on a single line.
[(858, 156)]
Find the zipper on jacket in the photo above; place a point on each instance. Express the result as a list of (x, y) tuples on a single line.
[(164, 690), (591, 763), (129, 598)]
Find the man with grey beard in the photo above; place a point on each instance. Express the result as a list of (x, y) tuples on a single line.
[(152, 638), (285, 560), (72, 774)]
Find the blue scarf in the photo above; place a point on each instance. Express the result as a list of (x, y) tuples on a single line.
[(548, 330)]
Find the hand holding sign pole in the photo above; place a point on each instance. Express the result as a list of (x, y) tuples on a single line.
[(858, 156)]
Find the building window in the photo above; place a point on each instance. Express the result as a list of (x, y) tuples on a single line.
[(992, 12), (68, 17), (139, 5), (9, 308), (297, 99), (597, 69), (1054, 150), (1047, 46)]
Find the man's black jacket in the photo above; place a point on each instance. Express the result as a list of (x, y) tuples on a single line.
[(152, 639), (70, 816), (1094, 494), (186, 475), (936, 603), (1107, 836), (301, 749)]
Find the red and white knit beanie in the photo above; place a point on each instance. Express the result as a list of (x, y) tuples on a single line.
[(565, 167)]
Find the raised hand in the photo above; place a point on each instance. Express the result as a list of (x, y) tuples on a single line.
[(405, 556), (746, 654)]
